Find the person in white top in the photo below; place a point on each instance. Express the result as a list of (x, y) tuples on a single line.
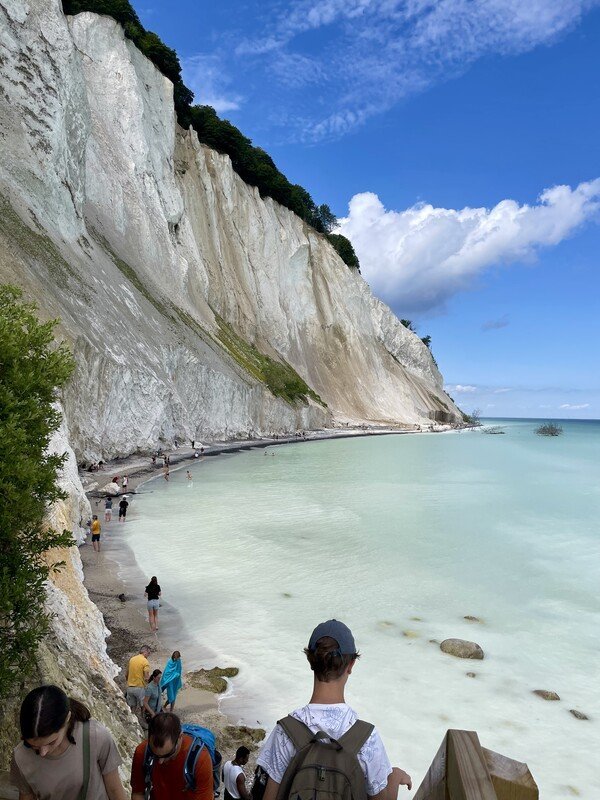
[(234, 778), (332, 654)]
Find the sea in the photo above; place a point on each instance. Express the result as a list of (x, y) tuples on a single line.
[(402, 537)]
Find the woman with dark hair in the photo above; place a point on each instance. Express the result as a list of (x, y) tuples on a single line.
[(152, 592), (171, 679), (153, 701), (64, 755)]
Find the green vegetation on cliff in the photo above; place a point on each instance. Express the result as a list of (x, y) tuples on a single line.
[(281, 378), (32, 368), (252, 164)]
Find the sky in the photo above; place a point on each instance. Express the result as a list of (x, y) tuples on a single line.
[(457, 142)]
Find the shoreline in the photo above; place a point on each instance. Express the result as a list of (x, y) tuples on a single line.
[(115, 571)]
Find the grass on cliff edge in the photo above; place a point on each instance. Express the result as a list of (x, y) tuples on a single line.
[(281, 378), (32, 369)]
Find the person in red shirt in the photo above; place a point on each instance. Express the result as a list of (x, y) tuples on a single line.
[(170, 747)]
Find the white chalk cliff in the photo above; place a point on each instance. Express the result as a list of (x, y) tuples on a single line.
[(154, 253), (169, 275)]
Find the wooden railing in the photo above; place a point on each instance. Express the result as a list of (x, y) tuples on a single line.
[(464, 770)]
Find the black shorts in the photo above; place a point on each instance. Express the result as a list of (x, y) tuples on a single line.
[(95, 537), (122, 513)]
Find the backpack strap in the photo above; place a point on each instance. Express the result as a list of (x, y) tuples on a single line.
[(86, 761), (356, 736), (147, 766), (189, 768), (300, 734)]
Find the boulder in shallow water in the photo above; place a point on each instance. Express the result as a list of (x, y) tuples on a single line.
[(461, 648), (545, 694), (111, 488), (211, 680), (578, 714)]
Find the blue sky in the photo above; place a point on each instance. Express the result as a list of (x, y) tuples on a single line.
[(439, 124)]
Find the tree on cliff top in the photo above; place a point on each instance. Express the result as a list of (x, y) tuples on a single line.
[(32, 368)]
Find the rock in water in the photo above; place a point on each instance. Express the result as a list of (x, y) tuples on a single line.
[(111, 488), (461, 648), (578, 714), (545, 694)]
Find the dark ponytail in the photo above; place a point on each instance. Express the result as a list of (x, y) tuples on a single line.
[(45, 710), (326, 661)]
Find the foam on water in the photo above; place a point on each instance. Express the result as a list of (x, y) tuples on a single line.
[(401, 537)]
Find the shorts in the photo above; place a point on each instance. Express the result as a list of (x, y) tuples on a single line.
[(135, 696), (122, 513), (153, 605), (95, 537), (108, 513)]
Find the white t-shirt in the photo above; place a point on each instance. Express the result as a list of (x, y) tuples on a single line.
[(335, 720), (230, 774)]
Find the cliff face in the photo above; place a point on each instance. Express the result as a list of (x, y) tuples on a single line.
[(169, 273)]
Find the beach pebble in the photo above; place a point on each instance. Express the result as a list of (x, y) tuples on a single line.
[(471, 674), (545, 694), (416, 619), (410, 634), (461, 648), (578, 714), (470, 618)]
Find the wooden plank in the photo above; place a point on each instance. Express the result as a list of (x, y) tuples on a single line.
[(433, 786), (467, 774), (511, 779)]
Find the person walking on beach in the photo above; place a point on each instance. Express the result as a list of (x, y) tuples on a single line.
[(64, 753), (159, 764), (124, 481), (138, 672), (152, 592), (166, 472), (189, 476), (108, 509), (96, 530), (123, 506), (153, 701), (171, 679), (332, 655), (234, 779)]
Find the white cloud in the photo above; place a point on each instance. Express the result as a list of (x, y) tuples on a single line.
[(207, 78), (502, 391), (458, 388), (371, 54), (572, 407), (417, 258)]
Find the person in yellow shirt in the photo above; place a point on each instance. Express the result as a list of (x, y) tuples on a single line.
[(96, 531), (138, 673)]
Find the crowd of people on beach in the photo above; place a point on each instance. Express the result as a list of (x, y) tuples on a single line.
[(64, 754)]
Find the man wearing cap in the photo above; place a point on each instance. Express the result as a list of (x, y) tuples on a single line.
[(332, 654)]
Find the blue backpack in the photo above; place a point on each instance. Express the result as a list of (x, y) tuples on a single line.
[(201, 738)]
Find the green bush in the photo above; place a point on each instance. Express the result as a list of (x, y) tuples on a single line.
[(31, 370), (344, 249)]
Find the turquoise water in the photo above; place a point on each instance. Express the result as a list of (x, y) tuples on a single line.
[(401, 537)]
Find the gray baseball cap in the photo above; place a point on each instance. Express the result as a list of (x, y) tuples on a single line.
[(335, 630)]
